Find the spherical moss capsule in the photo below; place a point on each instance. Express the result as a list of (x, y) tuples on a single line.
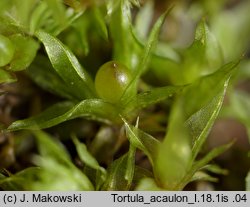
[(111, 81), (6, 50)]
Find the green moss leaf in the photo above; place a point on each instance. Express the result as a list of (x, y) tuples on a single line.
[(143, 141), (20, 180), (130, 91), (7, 50), (205, 109), (84, 154), (152, 96), (90, 161), (95, 109), (25, 52), (55, 162), (144, 18), (202, 57), (67, 66), (121, 172), (6, 77), (99, 22), (42, 73), (118, 177), (211, 155)]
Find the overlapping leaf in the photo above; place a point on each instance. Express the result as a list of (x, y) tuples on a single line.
[(90, 161), (203, 110), (130, 91), (67, 66), (118, 177), (143, 141), (55, 162)]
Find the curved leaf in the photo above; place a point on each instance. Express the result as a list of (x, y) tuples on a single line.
[(130, 91), (143, 141), (95, 109), (211, 155), (67, 66), (121, 172), (117, 174), (205, 109)]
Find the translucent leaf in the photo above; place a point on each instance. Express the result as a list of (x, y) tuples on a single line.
[(202, 57), (6, 77), (95, 109), (205, 108), (25, 52), (130, 91), (50, 147), (201, 122), (152, 96), (213, 52), (117, 174), (90, 161), (210, 156), (121, 172), (85, 155), (210, 85), (67, 66), (129, 176), (144, 19), (142, 141), (174, 156)]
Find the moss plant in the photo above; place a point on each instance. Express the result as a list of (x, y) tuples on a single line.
[(119, 94)]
